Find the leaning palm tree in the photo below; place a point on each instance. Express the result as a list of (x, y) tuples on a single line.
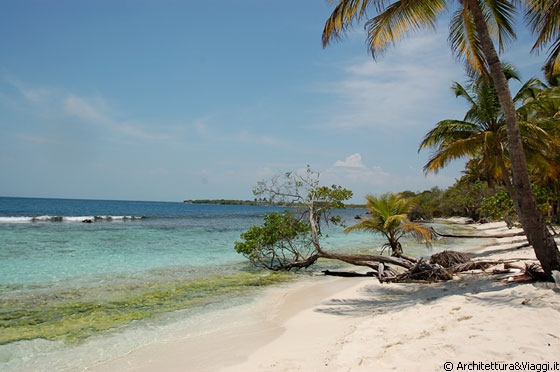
[(474, 24), (388, 216)]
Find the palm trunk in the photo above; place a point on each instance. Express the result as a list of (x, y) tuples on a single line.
[(530, 216), (505, 178)]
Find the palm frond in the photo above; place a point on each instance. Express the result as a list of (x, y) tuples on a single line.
[(388, 216), (342, 17), (447, 131), (465, 43), (419, 232), (400, 18), (502, 14), (529, 90), (543, 17)]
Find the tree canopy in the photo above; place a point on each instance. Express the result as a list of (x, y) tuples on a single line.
[(292, 238), (388, 215)]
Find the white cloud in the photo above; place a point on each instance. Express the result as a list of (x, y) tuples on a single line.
[(246, 137), (365, 176), (37, 139), (88, 110), (31, 94), (52, 103), (364, 179), (201, 126), (403, 88), (158, 172), (352, 161), (97, 112), (353, 173), (214, 132), (135, 130), (266, 172), (376, 181)]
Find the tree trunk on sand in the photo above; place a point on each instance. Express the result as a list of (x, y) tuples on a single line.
[(367, 260), (529, 214), (510, 235)]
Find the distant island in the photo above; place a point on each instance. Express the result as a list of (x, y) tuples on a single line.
[(249, 202), (227, 201)]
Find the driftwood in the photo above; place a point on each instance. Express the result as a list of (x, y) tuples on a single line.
[(473, 265), (380, 272), (510, 235), (369, 260), (380, 264), (347, 274)]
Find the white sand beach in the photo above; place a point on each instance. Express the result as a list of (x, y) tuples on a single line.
[(476, 322)]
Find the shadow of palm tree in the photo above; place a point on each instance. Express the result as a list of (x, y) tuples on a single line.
[(381, 298), (499, 250)]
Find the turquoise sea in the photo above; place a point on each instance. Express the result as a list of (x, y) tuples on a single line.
[(77, 274)]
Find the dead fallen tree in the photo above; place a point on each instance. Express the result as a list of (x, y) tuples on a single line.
[(347, 274), (441, 266), (367, 260), (509, 235)]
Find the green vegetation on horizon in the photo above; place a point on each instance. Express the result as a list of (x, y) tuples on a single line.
[(251, 202), (224, 202)]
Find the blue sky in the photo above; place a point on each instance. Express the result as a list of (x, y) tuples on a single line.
[(173, 100)]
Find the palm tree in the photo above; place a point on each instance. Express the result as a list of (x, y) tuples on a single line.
[(388, 216), (543, 111), (473, 24), (481, 135)]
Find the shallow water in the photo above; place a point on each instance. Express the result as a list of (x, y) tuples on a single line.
[(72, 288)]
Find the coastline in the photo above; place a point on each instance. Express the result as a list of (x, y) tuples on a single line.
[(243, 330), (358, 324)]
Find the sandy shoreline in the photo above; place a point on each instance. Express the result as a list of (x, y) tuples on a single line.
[(357, 324)]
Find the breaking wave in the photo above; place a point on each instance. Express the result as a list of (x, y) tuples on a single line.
[(84, 219)]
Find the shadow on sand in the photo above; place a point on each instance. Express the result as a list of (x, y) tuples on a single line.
[(379, 298)]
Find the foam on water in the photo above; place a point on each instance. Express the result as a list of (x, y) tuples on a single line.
[(46, 218)]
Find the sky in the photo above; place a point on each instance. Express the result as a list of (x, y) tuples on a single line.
[(172, 100)]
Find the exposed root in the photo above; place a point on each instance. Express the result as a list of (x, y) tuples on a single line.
[(423, 271), (449, 259)]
